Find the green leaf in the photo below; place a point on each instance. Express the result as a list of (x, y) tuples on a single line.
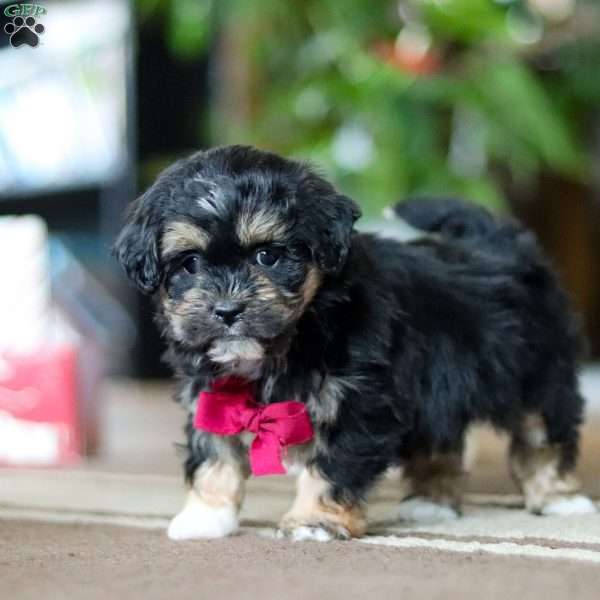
[(521, 113), (189, 26), (466, 20)]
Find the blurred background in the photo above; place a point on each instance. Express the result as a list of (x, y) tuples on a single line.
[(496, 101)]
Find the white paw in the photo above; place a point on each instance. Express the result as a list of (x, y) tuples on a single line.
[(571, 505), (422, 510), (200, 520), (306, 533)]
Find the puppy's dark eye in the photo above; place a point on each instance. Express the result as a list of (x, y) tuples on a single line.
[(268, 257), (191, 264)]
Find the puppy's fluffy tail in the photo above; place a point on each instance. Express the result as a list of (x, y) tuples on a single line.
[(449, 218)]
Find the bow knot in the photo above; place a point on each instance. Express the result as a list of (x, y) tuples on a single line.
[(252, 420), (230, 408)]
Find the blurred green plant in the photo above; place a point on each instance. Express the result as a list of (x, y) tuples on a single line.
[(391, 98)]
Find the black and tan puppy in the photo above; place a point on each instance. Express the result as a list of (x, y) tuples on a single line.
[(393, 348)]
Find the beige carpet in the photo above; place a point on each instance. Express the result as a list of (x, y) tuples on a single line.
[(495, 524), (98, 531), (91, 562)]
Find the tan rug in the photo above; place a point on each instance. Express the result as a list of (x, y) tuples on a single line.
[(492, 524), (89, 533), (90, 562)]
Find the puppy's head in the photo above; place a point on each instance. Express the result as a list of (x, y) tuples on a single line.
[(235, 243)]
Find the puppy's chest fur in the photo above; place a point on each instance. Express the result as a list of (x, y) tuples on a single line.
[(322, 395)]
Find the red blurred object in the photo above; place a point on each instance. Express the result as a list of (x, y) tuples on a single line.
[(415, 63), (39, 420)]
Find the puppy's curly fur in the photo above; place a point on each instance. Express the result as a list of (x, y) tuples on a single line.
[(395, 348)]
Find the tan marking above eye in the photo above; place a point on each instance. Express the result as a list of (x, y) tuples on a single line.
[(180, 236), (260, 226)]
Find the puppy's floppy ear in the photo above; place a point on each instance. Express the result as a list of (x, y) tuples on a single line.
[(136, 247), (331, 222)]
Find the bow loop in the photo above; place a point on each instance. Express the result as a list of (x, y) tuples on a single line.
[(230, 408)]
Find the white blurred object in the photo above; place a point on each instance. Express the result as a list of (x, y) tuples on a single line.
[(63, 104), (353, 148), (554, 10), (414, 40), (25, 276), (26, 442)]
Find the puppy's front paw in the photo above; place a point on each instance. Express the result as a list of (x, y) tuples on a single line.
[(318, 531), (200, 520), (306, 533)]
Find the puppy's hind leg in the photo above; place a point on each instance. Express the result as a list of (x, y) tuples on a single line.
[(542, 459), (437, 483)]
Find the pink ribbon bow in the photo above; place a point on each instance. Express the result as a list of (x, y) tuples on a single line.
[(230, 408)]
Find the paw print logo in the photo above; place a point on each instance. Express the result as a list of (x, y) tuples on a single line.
[(24, 32)]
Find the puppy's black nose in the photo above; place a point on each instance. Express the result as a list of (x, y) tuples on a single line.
[(228, 310)]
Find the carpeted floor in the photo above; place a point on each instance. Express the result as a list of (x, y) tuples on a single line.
[(99, 562), (59, 536)]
